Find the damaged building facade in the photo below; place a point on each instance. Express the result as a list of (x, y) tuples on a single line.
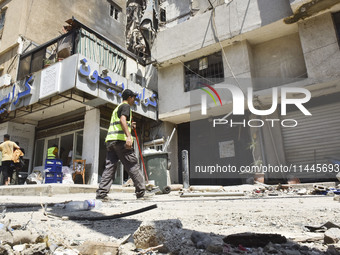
[(60, 81), (218, 50)]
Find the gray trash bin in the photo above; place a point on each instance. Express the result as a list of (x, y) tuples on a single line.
[(157, 164)]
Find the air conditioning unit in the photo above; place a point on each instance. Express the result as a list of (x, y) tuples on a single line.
[(138, 79)]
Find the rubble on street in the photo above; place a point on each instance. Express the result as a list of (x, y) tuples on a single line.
[(298, 219)]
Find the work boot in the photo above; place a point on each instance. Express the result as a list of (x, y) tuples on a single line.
[(104, 198), (144, 195)]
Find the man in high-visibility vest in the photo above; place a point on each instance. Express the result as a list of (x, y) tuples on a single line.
[(119, 147), (52, 152)]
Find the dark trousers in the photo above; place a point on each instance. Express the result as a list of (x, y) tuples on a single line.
[(7, 169), (116, 150)]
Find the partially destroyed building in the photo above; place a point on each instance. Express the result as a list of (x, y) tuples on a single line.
[(263, 45)]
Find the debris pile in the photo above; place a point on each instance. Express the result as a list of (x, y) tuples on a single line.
[(261, 190), (152, 238)]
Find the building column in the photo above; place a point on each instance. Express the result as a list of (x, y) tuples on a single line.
[(91, 141)]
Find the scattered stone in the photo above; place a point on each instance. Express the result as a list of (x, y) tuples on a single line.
[(24, 236), (269, 248), (92, 247), (216, 246), (331, 250), (154, 233), (20, 247), (6, 237), (254, 239), (291, 252), (126, 249), (201, 240), (63, 251), (332, 235), (302, 192), (39, 248), (6, 249), (338, 176), (336, 198)]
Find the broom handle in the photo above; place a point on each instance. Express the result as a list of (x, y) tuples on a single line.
[(140, 152)]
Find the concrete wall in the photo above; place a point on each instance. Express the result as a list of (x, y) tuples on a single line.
[(278, 58), (149, 72), (239, 56), (171, 89), (175, 9), (320, 47), (29, 18), (13, 23), (238, 17), (91, 144), (95, 14), (171, 79), (202, 5), (9, 66)]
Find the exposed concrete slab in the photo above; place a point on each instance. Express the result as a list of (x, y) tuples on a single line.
[(53, 189)]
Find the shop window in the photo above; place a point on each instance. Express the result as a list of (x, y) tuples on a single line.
[(2, 20), (203, 69), (39, 153), (78, 152), (115, 10), (65, 145), (336, 18)]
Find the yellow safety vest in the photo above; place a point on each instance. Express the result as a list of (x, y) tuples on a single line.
[(116, 131), (50, 153)]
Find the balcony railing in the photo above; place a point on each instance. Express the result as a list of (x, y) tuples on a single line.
[(80, 40)]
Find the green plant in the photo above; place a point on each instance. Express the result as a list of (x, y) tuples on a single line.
[(48, 61)]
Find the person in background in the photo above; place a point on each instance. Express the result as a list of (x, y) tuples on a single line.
[(7, 148), (70, 158), (18, 164), (52, 152)]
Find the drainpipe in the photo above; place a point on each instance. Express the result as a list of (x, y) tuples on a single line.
[(264, 160)]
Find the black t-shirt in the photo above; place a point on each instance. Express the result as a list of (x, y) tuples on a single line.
[(124, 109)]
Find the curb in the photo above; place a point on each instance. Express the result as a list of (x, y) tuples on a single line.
[(54, 189)]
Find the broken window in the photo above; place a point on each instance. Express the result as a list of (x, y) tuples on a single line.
[(2, 20), (163, 15), (115, 10), (336, 18), (202, 70)]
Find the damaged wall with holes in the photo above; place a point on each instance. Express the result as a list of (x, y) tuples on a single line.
[(231, 19), (175, 12), (144, 75)]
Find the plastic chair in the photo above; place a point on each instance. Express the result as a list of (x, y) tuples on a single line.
[(79, 168)]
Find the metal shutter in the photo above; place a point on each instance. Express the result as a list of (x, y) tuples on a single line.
[(315, 138)]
